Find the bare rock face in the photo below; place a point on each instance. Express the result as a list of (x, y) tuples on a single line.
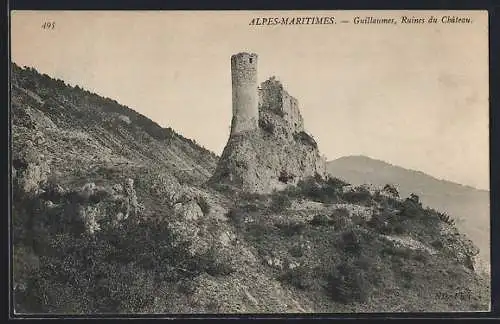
[(460, 246), (93, 205), (30, 168), (190, 211), (276, 154)]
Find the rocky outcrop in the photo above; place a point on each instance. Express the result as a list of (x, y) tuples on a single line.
[(459, 246), (276, 154), (29, 168)]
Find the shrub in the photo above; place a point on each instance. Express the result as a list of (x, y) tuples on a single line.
[(411, 209), (290, 229), (260, 233), (389, 223), (340, 218), (320, 220), (285, 177), (415, 198), (305, 138), (357, 196), (446, 218), (280, 202), (209, 263), (296, 251), (237, 216), (319, 190), (392, 203), (397, 251), (293, 191), (266, 126), (310, 188), (351, 241), (341, 212), (391, 190), (438, 244), (249, 196), (347, 284), (300, 277), (336, 183), (250, 207), (421, 256), (381, 222)]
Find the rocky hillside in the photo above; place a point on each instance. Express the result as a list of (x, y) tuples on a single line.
[(469, 207), (112, 214)]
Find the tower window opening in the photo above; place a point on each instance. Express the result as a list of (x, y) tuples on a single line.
[(250, 60)]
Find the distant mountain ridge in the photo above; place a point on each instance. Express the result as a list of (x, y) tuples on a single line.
[(355, 161), (470, 207)]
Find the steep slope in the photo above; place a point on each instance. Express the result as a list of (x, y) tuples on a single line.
[(94, 132), (111, 214), (469, 207)]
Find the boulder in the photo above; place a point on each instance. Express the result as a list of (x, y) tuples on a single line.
[(189, 211)]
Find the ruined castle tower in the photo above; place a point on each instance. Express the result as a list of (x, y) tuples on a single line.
[(268, 148), (245, 92)]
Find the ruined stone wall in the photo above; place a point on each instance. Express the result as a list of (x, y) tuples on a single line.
[(292, 113), (273, 97), (245, 92)]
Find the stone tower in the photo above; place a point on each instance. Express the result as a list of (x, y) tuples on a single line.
[(245, 92)]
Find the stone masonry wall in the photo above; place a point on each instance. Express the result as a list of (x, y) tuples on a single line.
[(245, 93), (273, 97)]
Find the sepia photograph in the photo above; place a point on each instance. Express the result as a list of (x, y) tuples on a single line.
[(249, 162)]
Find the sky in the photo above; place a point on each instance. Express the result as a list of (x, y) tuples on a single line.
[(413, 95)]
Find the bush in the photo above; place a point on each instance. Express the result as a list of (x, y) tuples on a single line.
[(260, 234), (237, 216), (446, 218), (438, 244), (250, 207), (296, 251), (320, 220), (391, 190), (280, 202), (351, 241), (249, 196), (305, 138), (397, 251), (209, 263), (347, 284), (341, 212), (411, 209), (358, 196), (388, 223), (336, 183), (340, 218), (381, 222), (415, 198), (319, 190), (310, 188), (285, 177), (300, 277), (291, 229), (266, 126)]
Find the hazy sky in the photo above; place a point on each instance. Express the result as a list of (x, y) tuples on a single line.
[(414, 95)]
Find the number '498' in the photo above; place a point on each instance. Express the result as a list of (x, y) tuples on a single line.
[(49, 25)]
